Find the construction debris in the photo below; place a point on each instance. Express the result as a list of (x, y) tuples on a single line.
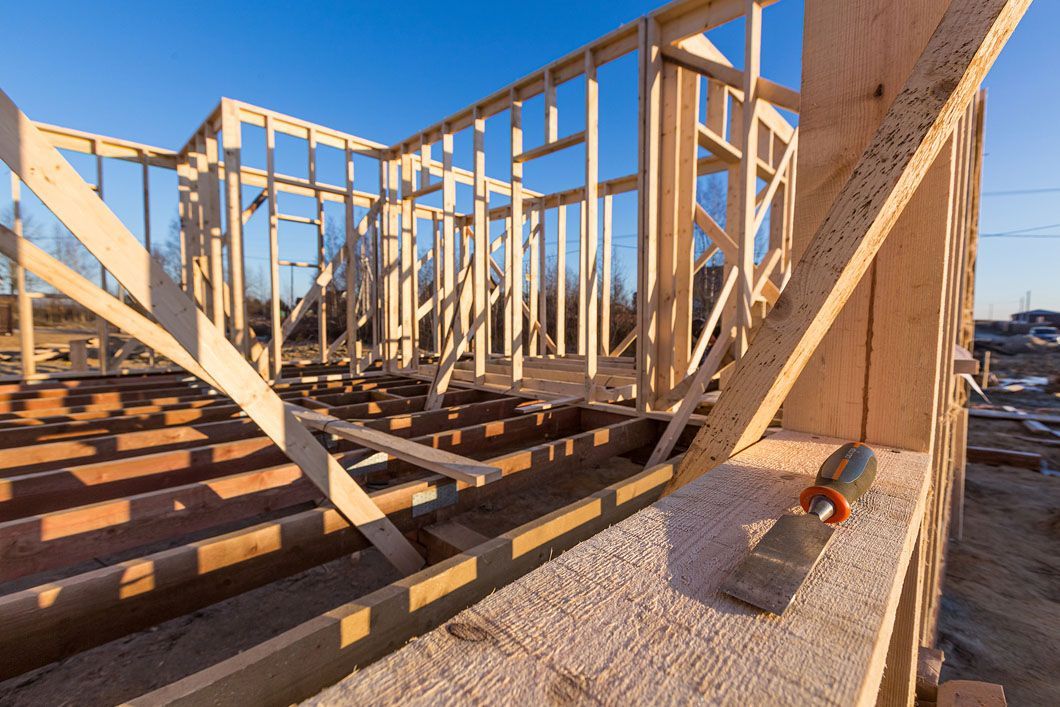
[(1005, 457)]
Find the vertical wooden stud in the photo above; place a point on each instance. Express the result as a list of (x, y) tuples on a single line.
[(592, 176), (649, 104), (232, 139), (514, 248), (276, 321), (353, 266), (744, 227), (605, 289), (23, 302), (561, 280), (480, 324)]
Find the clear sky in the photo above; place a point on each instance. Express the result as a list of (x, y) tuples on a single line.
[(152, 72)]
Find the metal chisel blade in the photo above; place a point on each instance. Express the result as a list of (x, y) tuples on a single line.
[(769, 577)]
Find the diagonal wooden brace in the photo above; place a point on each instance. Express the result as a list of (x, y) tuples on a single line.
[(440, 461), (97, 300), (59, 187), (920, 120)]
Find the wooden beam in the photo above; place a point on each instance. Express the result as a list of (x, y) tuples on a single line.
[(549, 147), (63, 191), (210, 195), (561, 280), (300, 662), (715, 233), (28, 363), (711, 322), (513, 251), (763, 201), (717, 145), (407, 267), (116, 148), (913, 130), (551, 109), (898, 684), (779, 95), (964, 362), (232, 140), (389, 266), (321, 224), (699, 44), (480, 320), (446, 463), (692, 388), (127, 349), (1004, 457), (636, 612), (697, 385), (546, 342), (102, 327), (605, 293), (101, 303), (625, 343), (54, 489), (448, 267), (453, 348), (533, 280), (107, 527), (770, 91), (354, 275), (449, 538), (276, 324), (676, 243), (181, 579), (646, 332), (321, 281), (743, 230)]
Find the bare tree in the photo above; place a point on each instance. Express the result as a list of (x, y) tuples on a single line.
[(71, 252), (334, 241), (623, 305), (711, 194), (31, 231), (168, 252)]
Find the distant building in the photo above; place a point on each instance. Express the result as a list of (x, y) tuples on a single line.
[(1038, 316)]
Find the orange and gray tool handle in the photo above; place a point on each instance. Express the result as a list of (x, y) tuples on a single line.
[(844, 478)]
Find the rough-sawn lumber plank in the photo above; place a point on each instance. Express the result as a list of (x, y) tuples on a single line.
[(921, 118), (634, 615)]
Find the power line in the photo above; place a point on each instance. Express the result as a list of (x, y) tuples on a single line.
[(1019, 235), (1016, 192), (1024, 230)]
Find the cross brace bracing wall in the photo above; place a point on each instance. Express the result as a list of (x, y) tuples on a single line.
[(502, 323), (432, 320)]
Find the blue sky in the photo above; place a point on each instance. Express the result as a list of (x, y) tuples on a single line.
[(384, 71)]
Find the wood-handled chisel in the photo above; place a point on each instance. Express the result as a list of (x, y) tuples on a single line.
[(769, 577)]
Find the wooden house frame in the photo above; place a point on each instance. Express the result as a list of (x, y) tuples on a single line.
[(474, 387)]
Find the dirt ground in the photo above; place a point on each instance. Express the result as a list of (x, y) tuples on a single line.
[(52, 343), (1000, 618), (56, 341), (169, 651), (165, 653)]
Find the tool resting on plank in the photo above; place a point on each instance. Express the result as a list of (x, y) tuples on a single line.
[(769, 577)]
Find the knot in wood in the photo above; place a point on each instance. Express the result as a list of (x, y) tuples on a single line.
[(467, 632)]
